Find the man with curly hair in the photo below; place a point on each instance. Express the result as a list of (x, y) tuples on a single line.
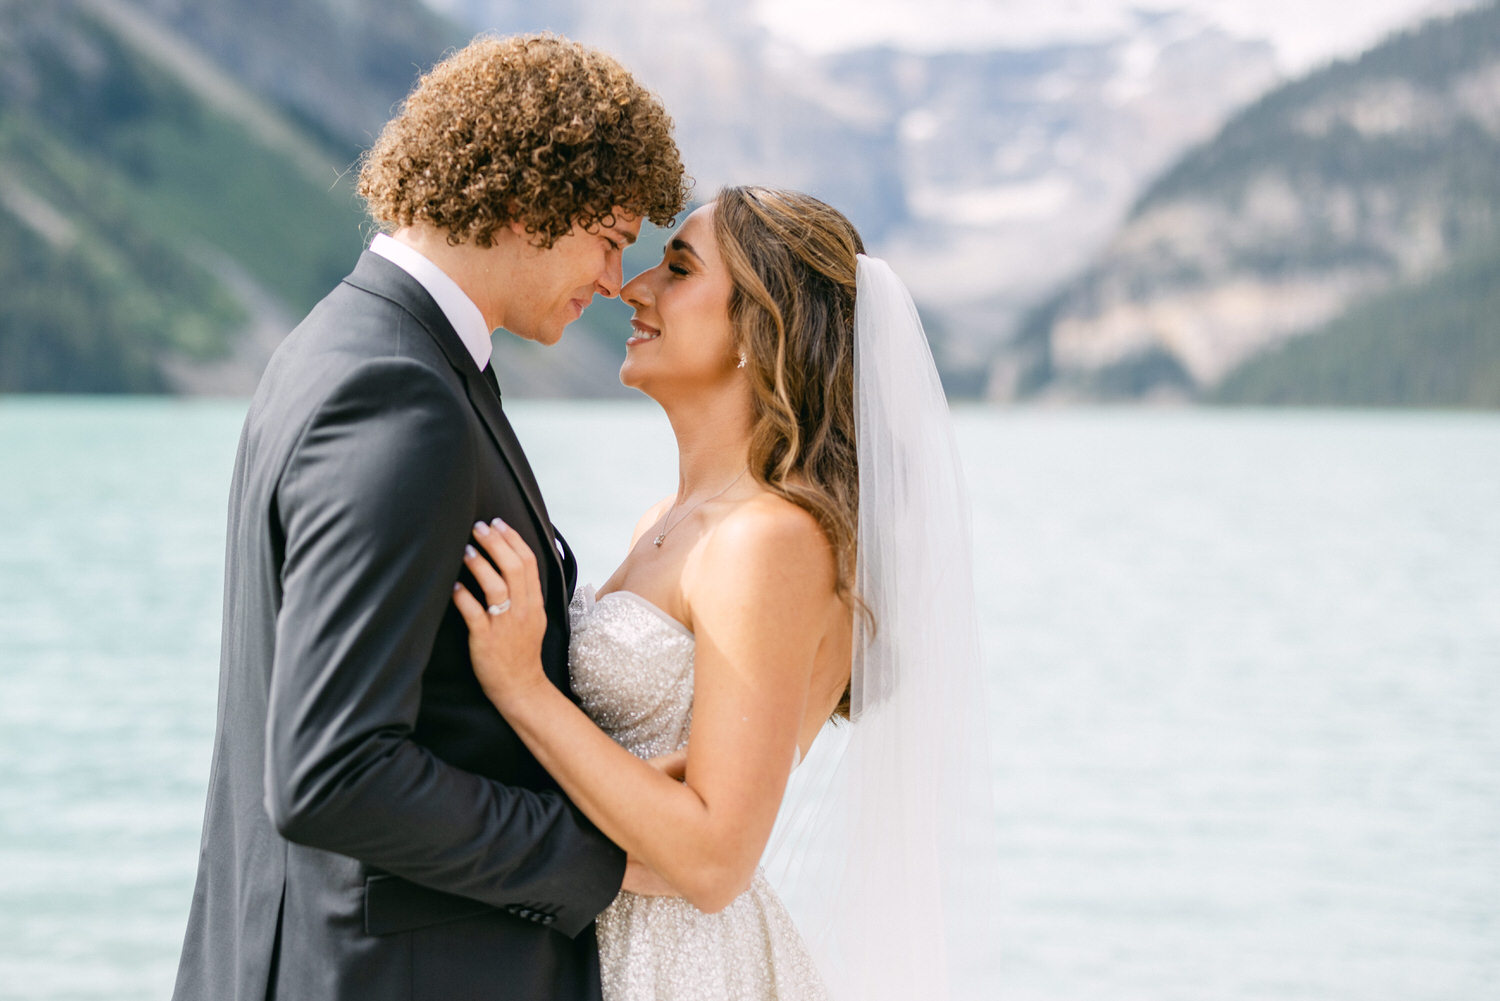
[(374, 829)]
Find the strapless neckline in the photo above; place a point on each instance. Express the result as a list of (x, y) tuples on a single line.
[(587, 596), (632, 671), (593, 596)]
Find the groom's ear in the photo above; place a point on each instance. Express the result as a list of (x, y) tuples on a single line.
[(534, 241), (517, 224)]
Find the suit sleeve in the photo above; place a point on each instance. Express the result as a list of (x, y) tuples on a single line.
[(375, 505)]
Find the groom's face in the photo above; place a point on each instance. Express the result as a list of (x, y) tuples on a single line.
[(551, 287)]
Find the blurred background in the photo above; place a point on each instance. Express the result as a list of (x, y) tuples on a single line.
[(1214, 285), (1287, 201)]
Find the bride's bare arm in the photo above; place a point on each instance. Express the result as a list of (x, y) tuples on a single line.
[(639, 877), (758, 591)]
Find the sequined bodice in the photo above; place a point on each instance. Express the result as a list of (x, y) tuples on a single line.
[(632, 670)]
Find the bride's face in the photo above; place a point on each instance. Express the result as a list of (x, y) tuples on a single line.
[(681, 338)]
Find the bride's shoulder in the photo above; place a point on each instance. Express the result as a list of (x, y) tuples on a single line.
[(768, 519), (766, 537)]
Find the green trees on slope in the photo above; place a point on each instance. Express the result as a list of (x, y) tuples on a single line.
[(150, 201), (1435, 343)]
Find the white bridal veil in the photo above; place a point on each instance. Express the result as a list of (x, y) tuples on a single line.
[(885, 847)]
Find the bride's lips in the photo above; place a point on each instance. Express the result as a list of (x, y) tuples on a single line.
[(643, 332), (578, 306)]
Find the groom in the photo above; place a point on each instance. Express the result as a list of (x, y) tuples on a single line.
[(374, 829)]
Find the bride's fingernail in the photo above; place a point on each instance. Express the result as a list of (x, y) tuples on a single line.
[(480, 528), (457, 587), (470, 552), (500, 526)]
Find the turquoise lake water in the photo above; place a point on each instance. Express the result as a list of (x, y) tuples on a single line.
[(1244, 691)]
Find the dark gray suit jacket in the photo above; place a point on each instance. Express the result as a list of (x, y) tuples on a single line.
[(374, 829)]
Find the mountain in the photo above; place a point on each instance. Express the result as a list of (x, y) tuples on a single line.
[(160, 224), (1434, 342), (985, 177), (176, 188), (336, 68), (1342, 210), (175, 182)]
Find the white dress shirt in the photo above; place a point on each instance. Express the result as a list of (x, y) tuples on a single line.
[(460, 310), (452, 300)]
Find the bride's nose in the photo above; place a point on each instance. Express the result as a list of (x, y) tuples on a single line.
[(636, 292)]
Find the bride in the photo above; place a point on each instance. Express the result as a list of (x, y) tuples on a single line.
[(817, 482)]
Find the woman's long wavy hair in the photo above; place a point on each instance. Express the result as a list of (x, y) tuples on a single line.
[(791, 259)]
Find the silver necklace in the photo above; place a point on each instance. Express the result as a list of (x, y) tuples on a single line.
[(667, 521)]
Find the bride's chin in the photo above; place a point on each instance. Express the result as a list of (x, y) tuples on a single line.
[(632, 377)]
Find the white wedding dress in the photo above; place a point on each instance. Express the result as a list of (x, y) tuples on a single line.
[(632, 670)]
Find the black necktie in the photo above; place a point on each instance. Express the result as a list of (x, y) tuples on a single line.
[(489, 377)]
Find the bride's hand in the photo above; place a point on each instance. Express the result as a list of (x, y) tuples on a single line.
[(673, 765), (505, 633), (642, 879)]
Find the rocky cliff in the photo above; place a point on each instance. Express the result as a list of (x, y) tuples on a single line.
[(1369, 177), (160, 222), (986, 177)]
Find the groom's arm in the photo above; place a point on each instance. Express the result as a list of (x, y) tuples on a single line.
[(375, 506)]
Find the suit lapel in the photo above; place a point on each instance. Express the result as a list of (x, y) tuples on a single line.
[(482, 397), (378, 276)]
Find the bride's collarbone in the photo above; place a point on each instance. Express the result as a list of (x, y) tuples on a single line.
[(665, 572), (655, 577), (656, 572)]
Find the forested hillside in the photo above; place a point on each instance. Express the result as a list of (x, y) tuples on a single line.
[(1347, 210), (176, 189), (146, 223), (908, 144), (1431, 343)]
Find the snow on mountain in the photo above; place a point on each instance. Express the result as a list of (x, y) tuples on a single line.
[(986, 176)]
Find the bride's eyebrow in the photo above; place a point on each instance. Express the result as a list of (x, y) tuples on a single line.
[(678, 243)]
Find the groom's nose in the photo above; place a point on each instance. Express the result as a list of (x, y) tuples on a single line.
[(613, 277)]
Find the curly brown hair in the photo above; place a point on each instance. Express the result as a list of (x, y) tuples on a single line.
[(535, 129), (792, 261)]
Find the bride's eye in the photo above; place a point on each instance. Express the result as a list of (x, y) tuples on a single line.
[(678, 269)]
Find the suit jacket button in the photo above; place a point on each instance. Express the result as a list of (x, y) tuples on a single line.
[(547, 919)]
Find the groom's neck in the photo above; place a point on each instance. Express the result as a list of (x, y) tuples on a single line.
[(481, 272)]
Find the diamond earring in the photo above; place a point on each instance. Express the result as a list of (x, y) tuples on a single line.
[(742, 360)]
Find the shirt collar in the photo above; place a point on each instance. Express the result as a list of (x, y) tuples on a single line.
[(460, 310)]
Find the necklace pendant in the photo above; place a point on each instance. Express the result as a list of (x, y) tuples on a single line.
[(659, 540)]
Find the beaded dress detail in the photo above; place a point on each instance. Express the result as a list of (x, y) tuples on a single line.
[(632, 670)]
